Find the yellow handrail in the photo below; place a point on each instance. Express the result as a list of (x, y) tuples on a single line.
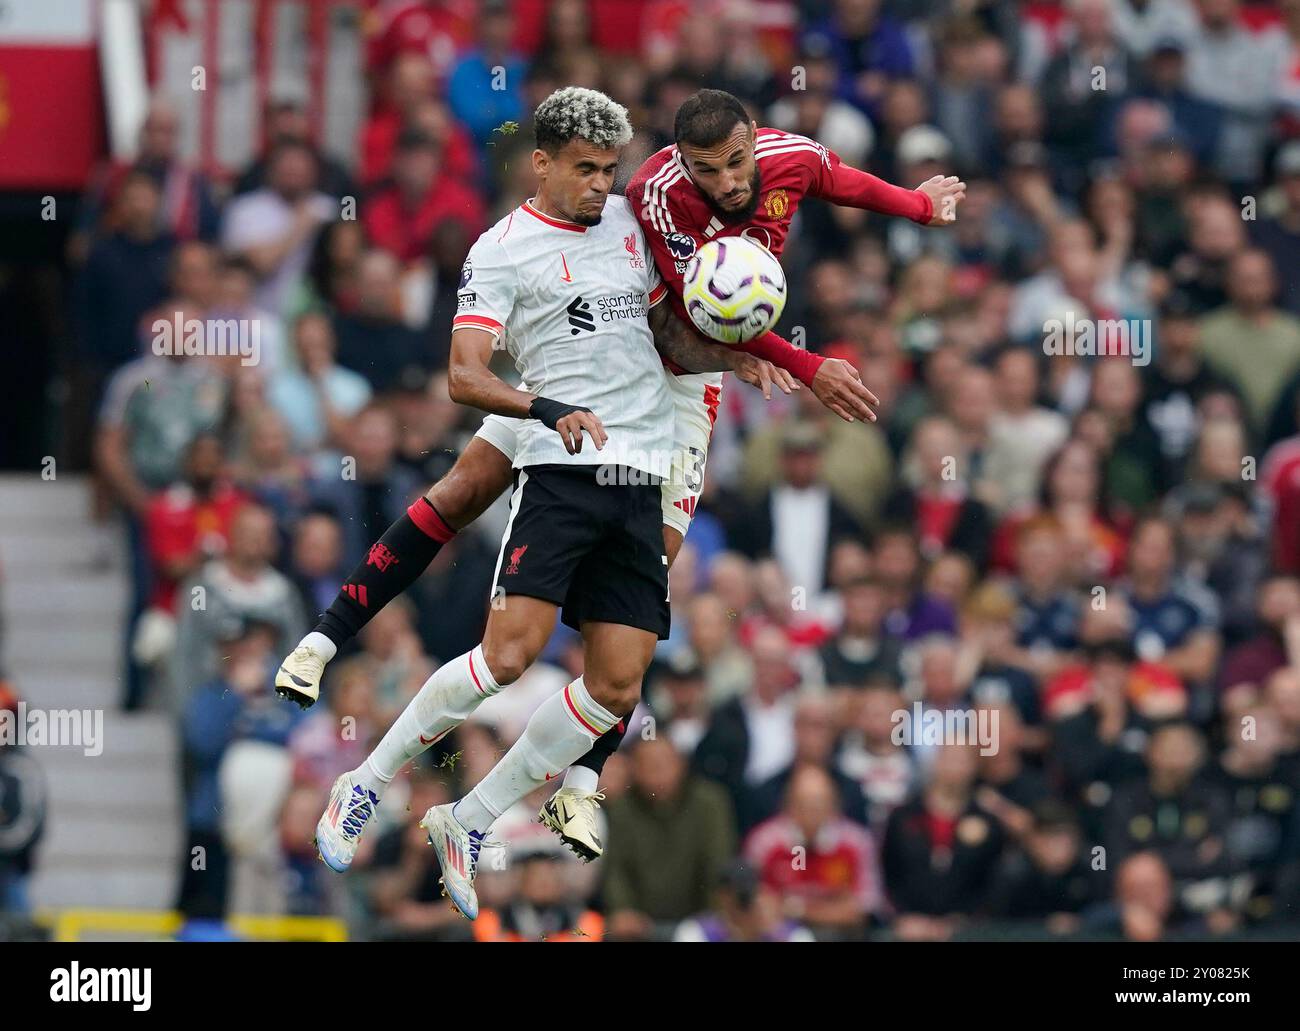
[(69, 924)]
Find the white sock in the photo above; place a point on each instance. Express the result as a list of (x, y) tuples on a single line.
[(563, 729), (442, 704), (321, 645), (580, 778), (371, 779)]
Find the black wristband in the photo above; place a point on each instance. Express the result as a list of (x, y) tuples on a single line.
[(549, 412)]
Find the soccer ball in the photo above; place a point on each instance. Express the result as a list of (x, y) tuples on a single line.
[(734, 289)]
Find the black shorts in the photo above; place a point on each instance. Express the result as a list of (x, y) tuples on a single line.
[(596, 548)]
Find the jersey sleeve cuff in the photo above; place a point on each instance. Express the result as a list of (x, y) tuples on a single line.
[(658, 294), (482, 322)]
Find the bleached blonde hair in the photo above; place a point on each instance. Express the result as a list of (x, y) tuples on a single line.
[(576, 112)]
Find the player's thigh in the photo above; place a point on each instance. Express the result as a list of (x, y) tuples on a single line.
[(615, 658), (673, 541), (518, 628), (480, 474), (693, 402)]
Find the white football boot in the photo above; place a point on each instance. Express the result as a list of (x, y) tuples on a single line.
[(338, 832), (298, 678), (571, 814), (458, 851)]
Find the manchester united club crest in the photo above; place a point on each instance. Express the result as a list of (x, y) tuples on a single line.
[(776, 203), (380, 556)]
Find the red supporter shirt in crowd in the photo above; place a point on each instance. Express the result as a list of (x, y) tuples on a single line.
[(677, 218), (379, 141), (936, 515), (441, 30), (406, 232), (1106, 558), (841, 858), (178, 525), (1071, 689), (1280, 477), (801, 632)]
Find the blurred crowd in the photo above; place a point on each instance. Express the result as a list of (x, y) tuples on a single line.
[(1097, 556)]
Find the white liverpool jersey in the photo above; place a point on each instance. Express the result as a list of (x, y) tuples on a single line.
[(570, 303)]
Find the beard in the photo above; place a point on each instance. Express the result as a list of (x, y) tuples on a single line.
[(744, 214)]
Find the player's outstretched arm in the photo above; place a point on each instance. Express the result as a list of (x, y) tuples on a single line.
[(681, 344), (933, 203), (471, 382)]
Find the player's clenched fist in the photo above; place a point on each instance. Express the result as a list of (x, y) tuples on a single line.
[(945, 193), (569, 421), (838, 386)]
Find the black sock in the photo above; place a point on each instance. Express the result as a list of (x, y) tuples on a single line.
[(605, 746), (393, 563)]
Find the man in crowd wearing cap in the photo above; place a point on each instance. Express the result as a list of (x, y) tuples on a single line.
[(1175, 382), (1164, 79)]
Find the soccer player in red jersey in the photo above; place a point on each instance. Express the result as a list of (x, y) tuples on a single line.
[(727, 177)]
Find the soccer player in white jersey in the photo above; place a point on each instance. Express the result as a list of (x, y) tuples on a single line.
[(483, 470), (565, 283)]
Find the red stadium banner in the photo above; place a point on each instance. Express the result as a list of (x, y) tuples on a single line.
[(51, 125)]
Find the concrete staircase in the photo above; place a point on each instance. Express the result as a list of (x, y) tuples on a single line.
[(113, 834)]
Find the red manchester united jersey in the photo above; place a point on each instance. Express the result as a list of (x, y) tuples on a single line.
[(677, 218)]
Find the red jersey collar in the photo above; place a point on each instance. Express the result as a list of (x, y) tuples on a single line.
[(680, 162), (558, 223)]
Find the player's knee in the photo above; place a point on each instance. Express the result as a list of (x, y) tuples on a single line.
[(476, 480), (453, 498), (507, 660), (618, 693)]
